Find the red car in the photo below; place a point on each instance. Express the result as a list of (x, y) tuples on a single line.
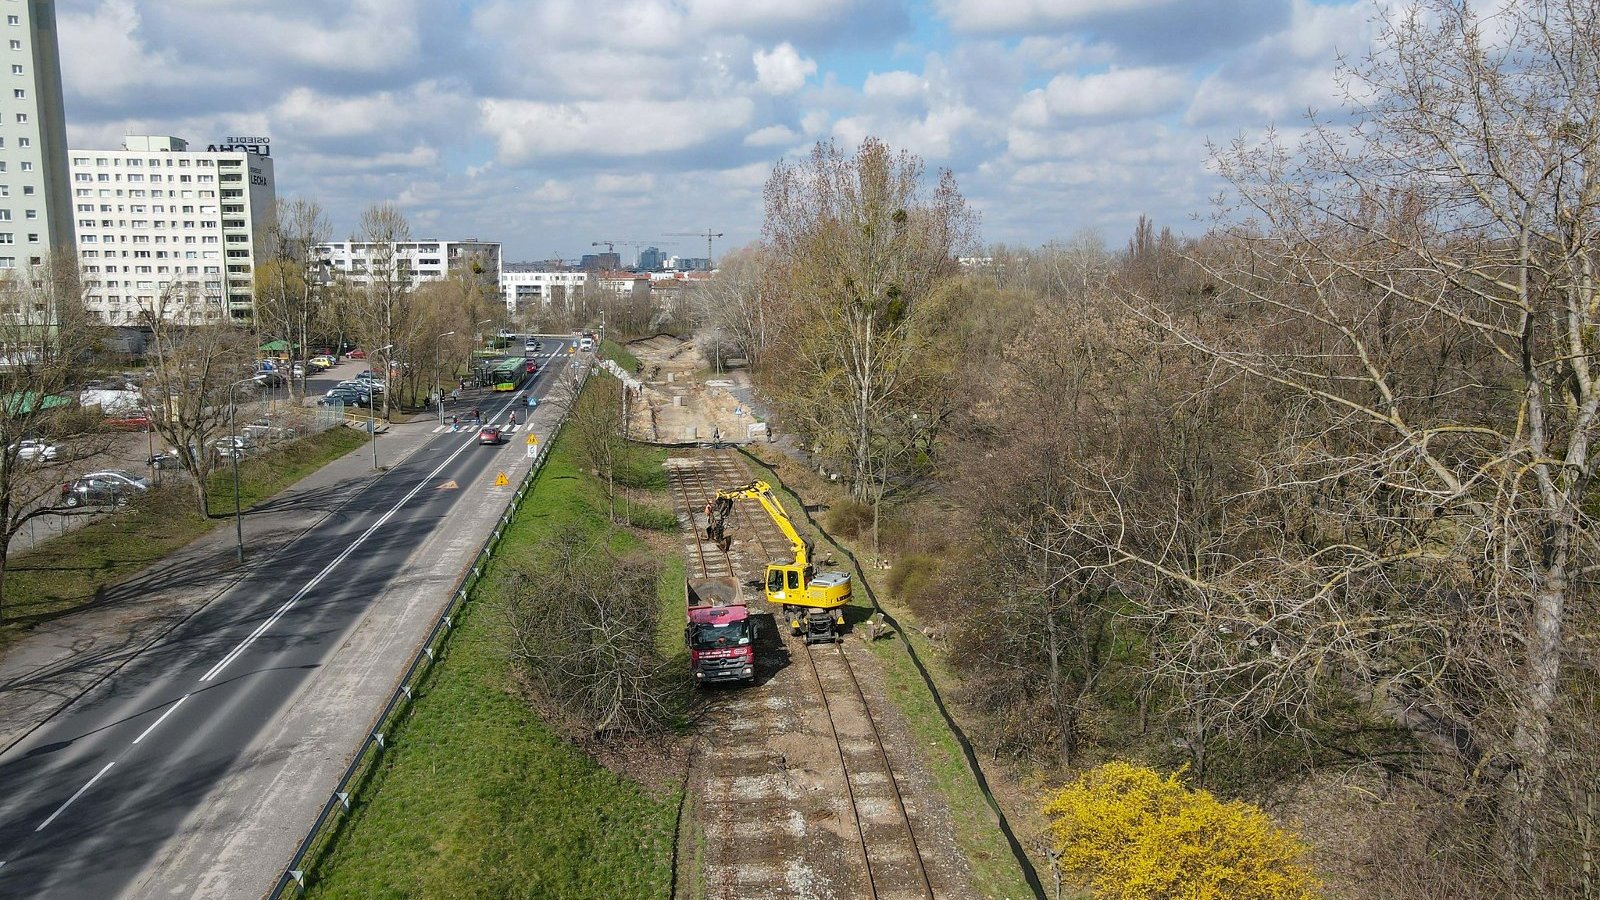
[(489, 434), (357, 354)]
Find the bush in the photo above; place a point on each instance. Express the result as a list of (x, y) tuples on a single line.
[(1133, 834), (913, 577), (848, 519), (652, 518)]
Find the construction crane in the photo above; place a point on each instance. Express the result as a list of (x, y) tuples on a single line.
[(708, 234), (610, 245)]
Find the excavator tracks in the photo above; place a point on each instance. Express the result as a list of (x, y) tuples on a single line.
[(799, 794)]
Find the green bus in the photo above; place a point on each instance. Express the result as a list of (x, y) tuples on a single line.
[(508, 373)]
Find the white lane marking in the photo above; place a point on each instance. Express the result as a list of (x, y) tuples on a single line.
[(170, 710), (328, 569), (62, 808)]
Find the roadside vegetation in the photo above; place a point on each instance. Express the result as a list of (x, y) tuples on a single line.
[(492, 786), (80, 569), (1303, 507)]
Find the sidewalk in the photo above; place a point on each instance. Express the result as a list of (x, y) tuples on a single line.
[(55, 664)]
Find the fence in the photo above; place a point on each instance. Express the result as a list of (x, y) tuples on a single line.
[(293, 879)]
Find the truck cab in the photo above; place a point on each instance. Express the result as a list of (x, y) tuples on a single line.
[(722, 644)]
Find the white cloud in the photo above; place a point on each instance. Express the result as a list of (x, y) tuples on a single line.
[(1032, 15), (783, 70), (771, 136), (525, 130), (624, 184), (1117, 94), (893, 86)]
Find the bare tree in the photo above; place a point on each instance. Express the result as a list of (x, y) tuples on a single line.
[(866, 258), (382, 309), (732, 304), (45, 338), (580, 622), (200, 363), (1422, 298), (291, 283)]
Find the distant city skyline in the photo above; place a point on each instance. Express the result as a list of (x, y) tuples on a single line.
[(550, 125)]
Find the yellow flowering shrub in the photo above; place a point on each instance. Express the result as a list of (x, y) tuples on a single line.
[(1133, 834)]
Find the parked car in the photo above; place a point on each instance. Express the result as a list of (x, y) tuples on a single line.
[(357, 354), (31, 449), (109, 487), (166, 460), (345, 396), (323, 362), (490, 434), (270, 379), (232, 447), (298, 370)]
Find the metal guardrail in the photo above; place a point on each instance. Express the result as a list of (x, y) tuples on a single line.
[(293, 880)]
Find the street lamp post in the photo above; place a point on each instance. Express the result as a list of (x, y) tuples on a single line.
[(438, 385), (233, 452), (372, 403)]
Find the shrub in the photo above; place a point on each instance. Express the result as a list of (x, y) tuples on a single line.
[(849, 519), (913, 577), (1133, 834)]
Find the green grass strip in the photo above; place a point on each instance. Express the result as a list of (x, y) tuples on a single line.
[(476, 797)]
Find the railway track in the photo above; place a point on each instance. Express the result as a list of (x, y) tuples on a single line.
[(889, 862)]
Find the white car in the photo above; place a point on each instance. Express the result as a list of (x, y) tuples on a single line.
[(30, 449)]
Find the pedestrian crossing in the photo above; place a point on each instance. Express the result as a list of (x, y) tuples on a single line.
[(474, 426)]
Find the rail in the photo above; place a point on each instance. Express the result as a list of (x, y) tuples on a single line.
[(293, 879)]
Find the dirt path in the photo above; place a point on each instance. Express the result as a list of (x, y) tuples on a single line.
[(794, 796)]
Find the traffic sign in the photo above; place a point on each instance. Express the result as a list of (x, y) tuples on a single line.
[(532, 439), (501, 480)]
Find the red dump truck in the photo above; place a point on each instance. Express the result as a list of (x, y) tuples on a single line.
[(720, 633)]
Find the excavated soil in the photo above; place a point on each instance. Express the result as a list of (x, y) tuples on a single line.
[(682, 402)]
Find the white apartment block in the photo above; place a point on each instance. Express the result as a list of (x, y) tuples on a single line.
[(418, 261), (165, 231), (35, 200), (522, 286)]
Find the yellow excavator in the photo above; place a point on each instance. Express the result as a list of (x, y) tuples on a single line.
[(812, 602)]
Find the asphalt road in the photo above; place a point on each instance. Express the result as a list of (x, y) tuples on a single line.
[(87, 799)]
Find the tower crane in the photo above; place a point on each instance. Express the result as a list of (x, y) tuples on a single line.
[(708, 234)]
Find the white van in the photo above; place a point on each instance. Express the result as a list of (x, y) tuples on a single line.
[(586, 344)]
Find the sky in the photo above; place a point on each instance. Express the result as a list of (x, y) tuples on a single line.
[(550, 125)]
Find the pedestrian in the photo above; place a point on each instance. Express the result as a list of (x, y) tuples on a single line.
[(455, 394), (513, 418), (455, 422), (475, 415)]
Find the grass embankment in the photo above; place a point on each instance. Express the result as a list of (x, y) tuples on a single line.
[(995, 872), (74, 570), (476, 796), (619, 354)]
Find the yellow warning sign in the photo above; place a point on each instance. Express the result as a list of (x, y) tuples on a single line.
[(532, 439), (501, 480), (449, 486)]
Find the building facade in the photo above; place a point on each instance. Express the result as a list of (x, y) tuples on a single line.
[(165, 232), (416, 261), (524, 285), (35, 196)]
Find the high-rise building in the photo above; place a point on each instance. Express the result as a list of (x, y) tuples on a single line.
[(527, 285), (35, 196), (650, 259), (166, 231)]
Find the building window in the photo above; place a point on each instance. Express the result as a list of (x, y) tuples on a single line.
[(27, 166), (13, 20), (7, 237), (33, 239), (16, 70), (16, 45), (22, 118), (5, 215), (19, 93), (27, 190), (24, 142)]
